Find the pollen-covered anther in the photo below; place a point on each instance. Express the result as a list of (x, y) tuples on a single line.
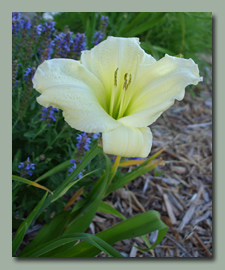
[(115, 77), (126, 84)]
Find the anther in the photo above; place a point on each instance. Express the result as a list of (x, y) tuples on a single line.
[(125, 80), (115, 77), (125, 85), (128, 82)]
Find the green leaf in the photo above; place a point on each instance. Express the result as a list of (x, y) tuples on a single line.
[(162, 50), (107, 208), (29, 134), (58, 192), (71, 184), (136, 226), (49, 231), (160, 236), (122, 181), (136, 21), (182, 24), (154, 19), (70, 180), (122, 21), (90, 24), (91, 239), (29, 182), (56, 169), (81, 219), (18, 238), (16, 159)]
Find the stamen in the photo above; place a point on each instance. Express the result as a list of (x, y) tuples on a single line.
[(125, 85), (115, 77), (125, 81), (128, 82), (119, 97)]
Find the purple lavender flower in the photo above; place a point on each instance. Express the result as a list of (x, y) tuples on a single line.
[(79, 43), (26, 168), (84, 141), (135, 158), (16, 22), (71, 169), (48, 114), (104, 21), (26, 24), (19, 23), (50, 48), (49, 26), (98, 37), (39, 29), (64, 42), (28, 74), (96, 135), (16, 16)]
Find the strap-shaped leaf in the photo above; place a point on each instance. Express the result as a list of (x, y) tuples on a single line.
[(18, 238), (60, 241), (29, 182), (136, 226), (56, 169), (146, 25), (160, 236), (60, 191), (120, 182), (107, 208), (49, 231), (81, 219), (66, 185)]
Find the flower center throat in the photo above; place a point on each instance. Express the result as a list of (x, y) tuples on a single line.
[(119, 99)]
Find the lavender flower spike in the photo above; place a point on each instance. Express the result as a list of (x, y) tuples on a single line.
[(98, 37), (83, 141), (79, 43), (26, 168), (71, 169), (48, 114)]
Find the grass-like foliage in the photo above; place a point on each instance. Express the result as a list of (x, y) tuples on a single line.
[(187, 33)]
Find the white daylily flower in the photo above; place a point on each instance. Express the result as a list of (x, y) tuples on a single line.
[(117, 89)]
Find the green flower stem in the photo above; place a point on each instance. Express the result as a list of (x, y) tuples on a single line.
[(113, 171)]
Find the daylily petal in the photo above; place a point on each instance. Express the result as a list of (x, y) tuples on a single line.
[(127, 141), (146, 117), (122, 53), (57, 72), (63, 89), (156, 88)]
